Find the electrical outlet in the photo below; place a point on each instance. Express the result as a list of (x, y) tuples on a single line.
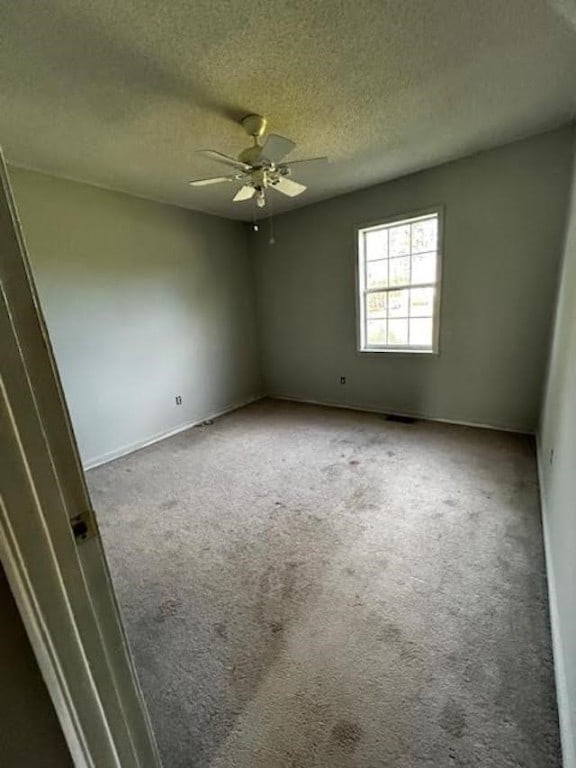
[(178, 399), (342, 379), (552, 456)]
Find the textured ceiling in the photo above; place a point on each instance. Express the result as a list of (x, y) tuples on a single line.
[(120, 93)]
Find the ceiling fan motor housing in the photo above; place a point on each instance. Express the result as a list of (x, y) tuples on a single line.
[(255, 125)]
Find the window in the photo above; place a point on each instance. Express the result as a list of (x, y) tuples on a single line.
[(398, 281)]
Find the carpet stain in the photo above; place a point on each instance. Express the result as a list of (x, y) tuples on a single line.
[(347, 734), (276, 626), (450, 502), (167, 609), (516, 533), (169, 504), (410, 652), (295, 762), (357, 499), (390, 633), (452, 719), (354, 462), (221, 630)]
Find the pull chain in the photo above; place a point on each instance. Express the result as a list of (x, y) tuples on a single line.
[(272, 239)]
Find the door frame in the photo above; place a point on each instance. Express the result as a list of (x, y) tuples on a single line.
[(61, 584)]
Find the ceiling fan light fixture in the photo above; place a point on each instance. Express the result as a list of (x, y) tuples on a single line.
[(260, 198)]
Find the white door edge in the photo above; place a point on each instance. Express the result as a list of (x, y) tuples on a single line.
[(61, 587)]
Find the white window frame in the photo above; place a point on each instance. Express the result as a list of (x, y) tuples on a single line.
[(361, 289)]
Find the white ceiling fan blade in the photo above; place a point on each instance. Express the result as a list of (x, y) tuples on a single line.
[(220, 157), (309, 160), (213, 180), (276, 147), (289, 187), (244, 193)]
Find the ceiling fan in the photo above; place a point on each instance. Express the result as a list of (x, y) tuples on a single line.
[(259, 167)]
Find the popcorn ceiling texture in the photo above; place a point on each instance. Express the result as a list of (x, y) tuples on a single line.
[(305, 587), (122, 94)]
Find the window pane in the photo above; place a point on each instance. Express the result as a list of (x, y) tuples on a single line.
[(421, 332), (424, 268), (398, 332), (377, 274), (400, 271), (421, 302), (398, 303), (376, 244), (376, 304), (399, 240), (376, 332), (424, 235)]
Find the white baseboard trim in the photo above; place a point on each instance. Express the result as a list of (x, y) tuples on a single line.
[(567, 735), (409, 414), (139, 444), (144, 443)]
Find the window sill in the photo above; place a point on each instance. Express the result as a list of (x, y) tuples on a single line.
[(398, 350)]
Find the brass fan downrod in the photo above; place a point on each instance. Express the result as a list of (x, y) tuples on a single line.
[(255, 126)]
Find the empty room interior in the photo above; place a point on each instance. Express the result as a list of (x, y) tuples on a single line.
[(309, 275)]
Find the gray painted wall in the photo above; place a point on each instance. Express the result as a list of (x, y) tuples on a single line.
[(504, 218), (30, 733), (558, 488), (143, 302)]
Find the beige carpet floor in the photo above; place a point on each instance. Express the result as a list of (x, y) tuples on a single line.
[(306, 587)]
